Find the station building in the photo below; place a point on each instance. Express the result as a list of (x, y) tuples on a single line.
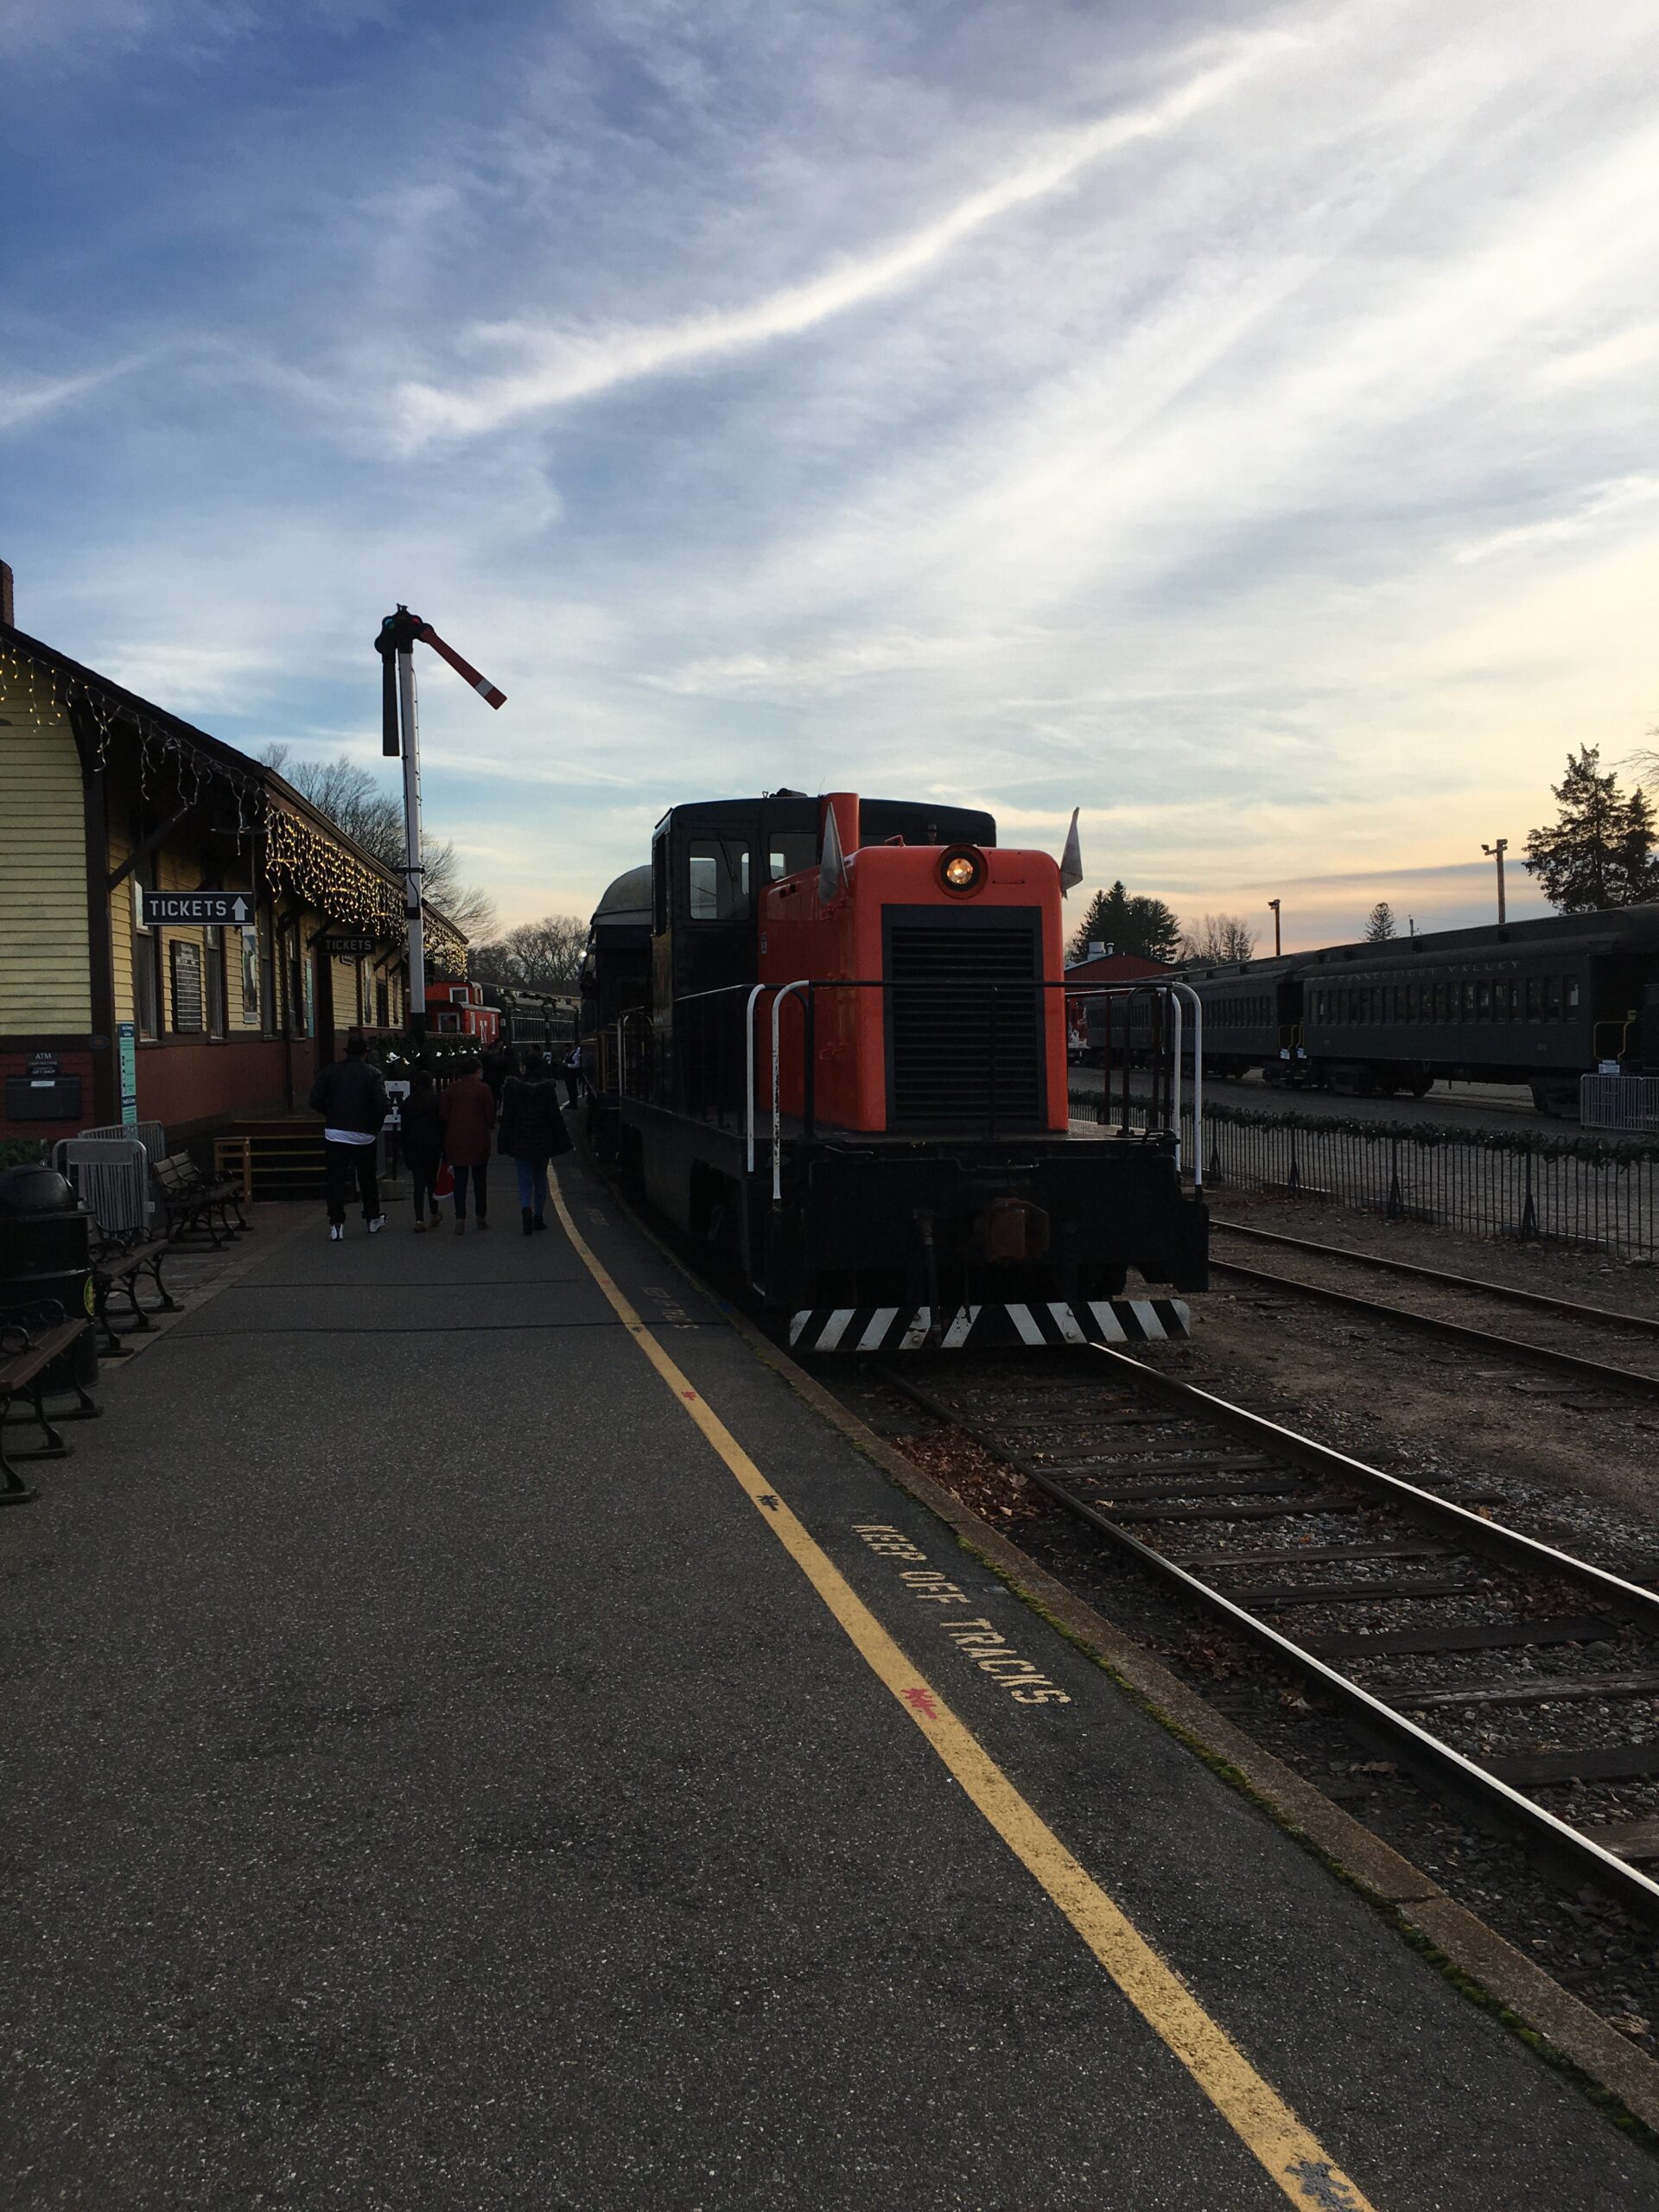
[(107, 1014)]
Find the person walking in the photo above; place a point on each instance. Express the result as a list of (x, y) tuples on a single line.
[(573, 1074), (468, 1108), (533, 1131), (495, 1067), (351, 1096), (422, 1135)]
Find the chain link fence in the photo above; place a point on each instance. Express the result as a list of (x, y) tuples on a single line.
[(1485, 1185)]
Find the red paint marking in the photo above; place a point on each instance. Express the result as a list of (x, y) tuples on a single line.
[(689, 1394), (922, 1701)]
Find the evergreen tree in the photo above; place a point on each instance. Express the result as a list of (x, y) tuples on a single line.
[(1380, 924), (1598, 850), (1128, 922), (1638, 867)]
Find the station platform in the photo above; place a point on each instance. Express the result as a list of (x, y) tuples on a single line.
[(479, 1739)]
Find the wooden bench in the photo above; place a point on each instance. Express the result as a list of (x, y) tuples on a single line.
[(31, 1344), (192, 1202), (117, 1263)]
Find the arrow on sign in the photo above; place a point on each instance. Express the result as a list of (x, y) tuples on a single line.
[(240, 910)]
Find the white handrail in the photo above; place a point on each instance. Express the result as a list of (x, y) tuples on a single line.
[(803, 984), (1198, 1083), (748, 1063), (1174, 1079)]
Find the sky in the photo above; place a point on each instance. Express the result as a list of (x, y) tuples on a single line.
[(1236, 421)]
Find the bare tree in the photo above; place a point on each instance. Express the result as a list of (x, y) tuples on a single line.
[(1217, 938), (543, 956), (355, 802)]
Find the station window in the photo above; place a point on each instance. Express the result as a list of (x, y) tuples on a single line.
[(186, 959), (213, 981), (250, 939), (717, 879), (382, 1004)]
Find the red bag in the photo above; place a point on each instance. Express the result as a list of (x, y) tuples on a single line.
[(445, 1186)]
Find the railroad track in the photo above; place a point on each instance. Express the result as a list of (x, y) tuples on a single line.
[(1448, 1637), (1601, 1371)]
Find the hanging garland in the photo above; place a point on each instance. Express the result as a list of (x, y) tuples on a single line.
[(298, 857)]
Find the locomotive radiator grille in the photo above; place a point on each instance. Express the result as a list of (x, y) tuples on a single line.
[(965, 1030)]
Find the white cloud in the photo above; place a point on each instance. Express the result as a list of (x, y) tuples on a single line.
[(564, 366)]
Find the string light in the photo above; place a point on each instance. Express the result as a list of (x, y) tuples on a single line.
[(299, 858)]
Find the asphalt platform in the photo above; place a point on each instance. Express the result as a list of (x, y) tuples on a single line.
[(434, 1781)]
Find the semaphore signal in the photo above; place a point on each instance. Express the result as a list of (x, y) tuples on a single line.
[(396, 646)]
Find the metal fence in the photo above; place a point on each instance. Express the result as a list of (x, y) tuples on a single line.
[(1483, 1189), (1619, 1101)]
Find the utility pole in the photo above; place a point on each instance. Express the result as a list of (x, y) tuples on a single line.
[(1496, 853), (396, 646), (1277, 946)]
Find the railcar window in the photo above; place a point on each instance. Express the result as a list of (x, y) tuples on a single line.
[(717, 879), (1482, 1000), (1571, 996), (1551, 1002), (791, 852)]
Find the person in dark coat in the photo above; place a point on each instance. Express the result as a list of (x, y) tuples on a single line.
[(495, 1068), (422, 1143), (351, 1096), (533, 1131), (468, 1108)]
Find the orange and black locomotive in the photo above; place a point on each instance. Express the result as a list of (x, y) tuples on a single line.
[(827, 1038)]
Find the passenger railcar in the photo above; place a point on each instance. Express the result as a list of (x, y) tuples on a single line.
[(902, 1174), (1540, 1002), (615, 983)]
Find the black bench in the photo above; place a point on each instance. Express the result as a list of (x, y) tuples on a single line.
[(194, 1204), (31, 1344), (117, 1263)]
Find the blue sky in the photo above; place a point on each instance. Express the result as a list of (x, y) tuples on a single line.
[(1236, 421)]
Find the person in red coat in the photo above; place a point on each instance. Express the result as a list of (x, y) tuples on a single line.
[(468, 1109)]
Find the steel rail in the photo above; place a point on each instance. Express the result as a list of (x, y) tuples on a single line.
[(1539, 1299), (1551, 1839), (1570, 1362)]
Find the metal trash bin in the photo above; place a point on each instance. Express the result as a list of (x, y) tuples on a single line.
[(46, 1258)]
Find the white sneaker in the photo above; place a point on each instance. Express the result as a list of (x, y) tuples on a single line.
[(377, 1224), (336, 1232)]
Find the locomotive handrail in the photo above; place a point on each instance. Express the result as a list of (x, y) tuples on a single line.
[(813, 984), (784, 991)]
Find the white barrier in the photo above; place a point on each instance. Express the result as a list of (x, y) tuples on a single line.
[(111, 1177), (1619, 1101)]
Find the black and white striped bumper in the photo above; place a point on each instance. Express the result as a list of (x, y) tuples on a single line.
[(896, 1328)]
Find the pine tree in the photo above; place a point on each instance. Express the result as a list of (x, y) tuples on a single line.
[(1598, 850), (1380, 924), (1128, 924), (1638, 867)]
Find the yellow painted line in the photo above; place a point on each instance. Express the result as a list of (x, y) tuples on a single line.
[(1255, 2111)]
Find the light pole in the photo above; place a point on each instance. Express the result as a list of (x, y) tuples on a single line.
[(1277, 947), (1496, 853)]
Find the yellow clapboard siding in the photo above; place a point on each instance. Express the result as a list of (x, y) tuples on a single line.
[(44, 980)]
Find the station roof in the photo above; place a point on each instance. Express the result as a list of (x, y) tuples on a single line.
[(107, 710)]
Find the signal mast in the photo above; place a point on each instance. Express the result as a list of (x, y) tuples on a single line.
[(396, 646)]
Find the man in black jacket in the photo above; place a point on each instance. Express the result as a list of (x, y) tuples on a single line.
[(351, 1096)]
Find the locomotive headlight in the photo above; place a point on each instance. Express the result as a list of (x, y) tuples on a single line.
[(962, 869)]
